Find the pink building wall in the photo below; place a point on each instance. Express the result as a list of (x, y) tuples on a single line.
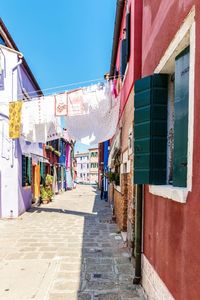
[(171, 229)]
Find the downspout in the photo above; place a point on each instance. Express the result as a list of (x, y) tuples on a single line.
[(13, 69), (139, 187), (138, 232), (117, 29)]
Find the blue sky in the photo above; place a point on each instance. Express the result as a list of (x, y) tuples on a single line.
[(63, 41)]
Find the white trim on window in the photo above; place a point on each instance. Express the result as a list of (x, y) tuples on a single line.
[(184, 37), (118, 188), (169, 192), (126, 72)]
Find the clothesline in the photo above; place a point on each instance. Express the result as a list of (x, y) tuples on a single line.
[(88, 114), (70, 84), (57, 87)]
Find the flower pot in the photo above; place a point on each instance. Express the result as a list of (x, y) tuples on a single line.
[(45, 201)]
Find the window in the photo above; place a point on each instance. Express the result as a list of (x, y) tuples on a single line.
[(125, 46), (123, 61), (177, 137), (125, 168), (179, 62), (170, 129), (42, 173), (163, 103), (94, 154), (94, 165), (26, 171)]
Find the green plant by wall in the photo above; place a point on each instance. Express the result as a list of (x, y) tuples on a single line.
[(43, 193), (48, 179), (57, 153), (49, 147), (113, 177)]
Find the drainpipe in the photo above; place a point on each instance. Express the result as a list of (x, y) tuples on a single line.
[(117, 28), (138, 232)]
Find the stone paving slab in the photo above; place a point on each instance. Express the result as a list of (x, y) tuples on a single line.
[(69, 249)]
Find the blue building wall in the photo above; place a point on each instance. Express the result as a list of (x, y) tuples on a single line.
[(105, 183)]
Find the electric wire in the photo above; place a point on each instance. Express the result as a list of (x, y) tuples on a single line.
[(70, 84)]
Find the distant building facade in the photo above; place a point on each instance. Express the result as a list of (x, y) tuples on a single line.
[(82, 160), (93, 165)]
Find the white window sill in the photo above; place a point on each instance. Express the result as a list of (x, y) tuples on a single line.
[(167, 191)]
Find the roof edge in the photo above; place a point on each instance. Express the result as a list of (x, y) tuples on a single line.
[(12, 45)]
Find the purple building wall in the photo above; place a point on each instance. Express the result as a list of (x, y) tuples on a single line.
[(24, 193)]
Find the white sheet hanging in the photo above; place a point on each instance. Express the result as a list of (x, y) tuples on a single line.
[(92, 116), (94, 127)]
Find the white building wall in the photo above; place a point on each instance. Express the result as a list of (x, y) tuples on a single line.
[(8, 149), (82, 168)]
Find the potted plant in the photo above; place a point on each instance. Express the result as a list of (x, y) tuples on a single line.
[(44, 195), (49, 192), (117, 179), (111, 176)]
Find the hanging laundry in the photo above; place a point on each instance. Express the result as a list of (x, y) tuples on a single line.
[(91, 115), (94, 128), (61, 105), (69, 180), (75, 103), (68, 156), (15, 109), (43, 125)]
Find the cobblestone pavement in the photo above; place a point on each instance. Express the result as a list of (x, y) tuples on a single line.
[(68, 250)]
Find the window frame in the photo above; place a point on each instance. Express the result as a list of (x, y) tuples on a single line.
[(27, 183), (186, 36)]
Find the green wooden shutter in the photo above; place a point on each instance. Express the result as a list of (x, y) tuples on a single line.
[(42, 175), (128, 36), (29, 170), (181, 118), (23, 170), (150, 129), (123, 57)]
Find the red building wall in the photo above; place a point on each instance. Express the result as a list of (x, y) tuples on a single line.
[(171, 229), (134, 64)]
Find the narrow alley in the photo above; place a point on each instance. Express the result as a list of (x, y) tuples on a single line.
[(68, 249)]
